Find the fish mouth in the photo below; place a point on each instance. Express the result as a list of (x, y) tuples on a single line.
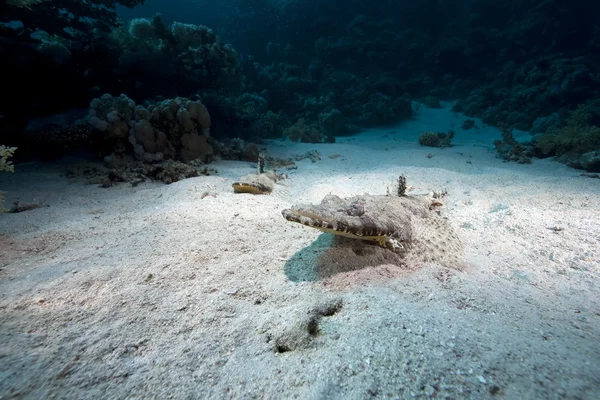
[(253, 188), (310, 219)]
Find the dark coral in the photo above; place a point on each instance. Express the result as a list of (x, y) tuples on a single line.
[(509, 149), (69, 19), (500, 58), (177, 129), (136, 172), (526, 64), (307, 133), (436, 139), (53, 141), (576, 143), (169, 60)]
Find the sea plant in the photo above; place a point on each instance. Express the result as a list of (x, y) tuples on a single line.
[(6, 165), (577, 136)]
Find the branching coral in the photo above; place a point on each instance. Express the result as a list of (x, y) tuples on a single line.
[(6, 165), (5, 154)]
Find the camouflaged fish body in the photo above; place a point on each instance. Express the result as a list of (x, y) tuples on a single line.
[(387, 220), (400, 223), (257, 183)]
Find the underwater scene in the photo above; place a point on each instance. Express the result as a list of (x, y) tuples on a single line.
[(300, 199)]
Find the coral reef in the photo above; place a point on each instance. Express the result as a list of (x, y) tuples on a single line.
[(70, 19), (509, 149), (246, 116), (538, 88), (58, 140), (171, 59), (436, 139), (147, 60), (469, 51), (136, 172), (176, 129), (468, 124), (6, 165), (5, 154), (576, 143), (304, 133), (323, 73)]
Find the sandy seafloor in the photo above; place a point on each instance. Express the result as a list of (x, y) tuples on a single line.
[(161, 291)]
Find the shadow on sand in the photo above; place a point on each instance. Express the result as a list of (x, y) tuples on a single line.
[(331, 254)]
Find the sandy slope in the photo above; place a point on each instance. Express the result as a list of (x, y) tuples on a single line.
[(159, 292)]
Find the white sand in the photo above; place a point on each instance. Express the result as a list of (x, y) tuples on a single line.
[(155, 292)]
